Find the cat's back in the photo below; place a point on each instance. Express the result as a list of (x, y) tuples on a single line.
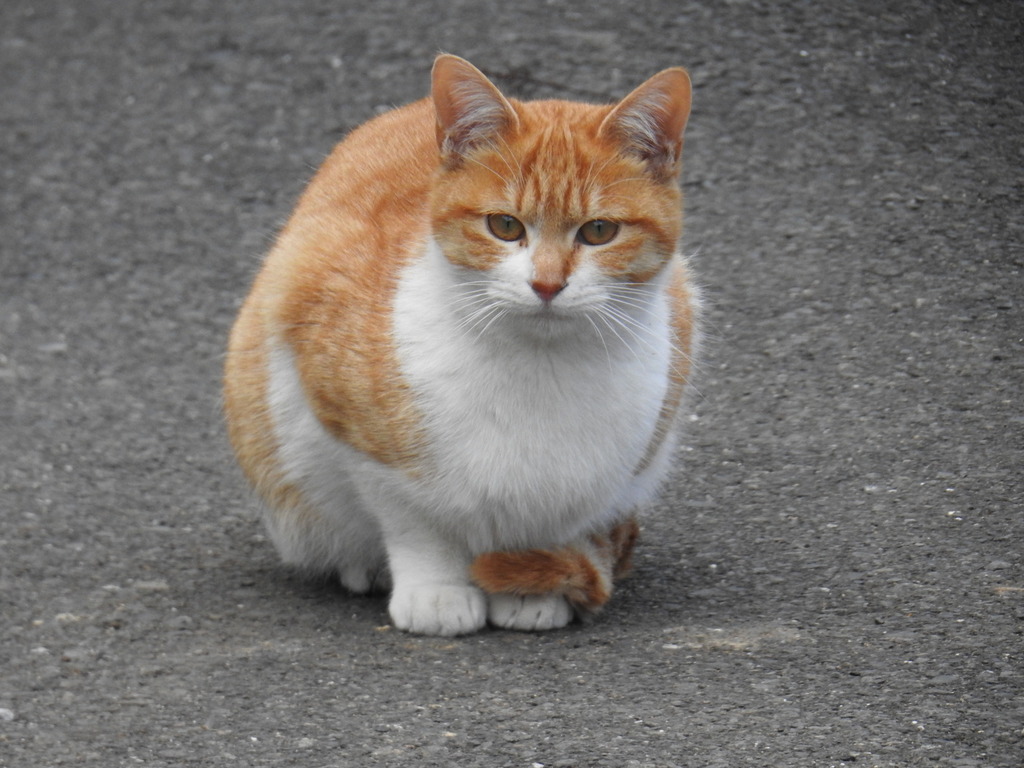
[(382, 167), (368, 196)]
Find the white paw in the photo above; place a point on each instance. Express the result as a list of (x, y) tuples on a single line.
[(530, 612), (438, 609)]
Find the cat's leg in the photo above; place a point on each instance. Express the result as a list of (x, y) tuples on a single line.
[(315, 514), (431, 593), (362, 566), (347, 544)]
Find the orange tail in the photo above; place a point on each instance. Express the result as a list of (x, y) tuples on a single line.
[(581, 572)]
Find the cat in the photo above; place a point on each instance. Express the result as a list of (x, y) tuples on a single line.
[(457, 374)]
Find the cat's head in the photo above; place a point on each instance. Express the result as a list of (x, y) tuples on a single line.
[(555, 208)]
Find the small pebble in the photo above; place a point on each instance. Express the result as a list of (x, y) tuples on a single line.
[(6, 715), (181, 623)]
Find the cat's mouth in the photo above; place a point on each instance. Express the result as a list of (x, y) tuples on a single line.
[(552, 319), (551, 310)]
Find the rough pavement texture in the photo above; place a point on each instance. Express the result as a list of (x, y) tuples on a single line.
[(836, 576)]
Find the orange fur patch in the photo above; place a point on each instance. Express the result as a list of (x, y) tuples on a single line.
[(565, 572), (581, 573), (249, 425)]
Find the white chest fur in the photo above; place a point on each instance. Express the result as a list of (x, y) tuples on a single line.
[(533, 436)]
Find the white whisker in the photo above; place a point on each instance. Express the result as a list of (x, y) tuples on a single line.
[(498, 312), (634, 308), (623, 181), (680, 363), (630, 303), (469, 301), (480, 319), (630, 325), (518, 170), (607, 352), (603, 317), (487, 167), (592, 173)]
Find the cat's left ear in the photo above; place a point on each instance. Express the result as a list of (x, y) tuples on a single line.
[(471, 111), (650, 121)]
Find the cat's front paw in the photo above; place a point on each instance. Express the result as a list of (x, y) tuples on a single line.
[(438, 609), (528, 612)]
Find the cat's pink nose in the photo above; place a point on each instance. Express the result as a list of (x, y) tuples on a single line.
[(546, 291)]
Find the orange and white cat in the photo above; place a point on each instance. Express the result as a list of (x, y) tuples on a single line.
[(470, 343)]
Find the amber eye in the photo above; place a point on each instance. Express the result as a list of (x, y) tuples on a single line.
[(505, 227), (598, 232)]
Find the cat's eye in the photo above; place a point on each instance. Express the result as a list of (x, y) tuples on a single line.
[(597, 232), (505, 227)]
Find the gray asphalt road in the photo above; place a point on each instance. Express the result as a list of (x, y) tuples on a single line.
[(834, 578)]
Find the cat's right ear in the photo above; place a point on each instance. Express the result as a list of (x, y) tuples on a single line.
[(471, 111), (649, 122)]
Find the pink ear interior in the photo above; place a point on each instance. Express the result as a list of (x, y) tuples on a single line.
[(650, 121), (470, 110)]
